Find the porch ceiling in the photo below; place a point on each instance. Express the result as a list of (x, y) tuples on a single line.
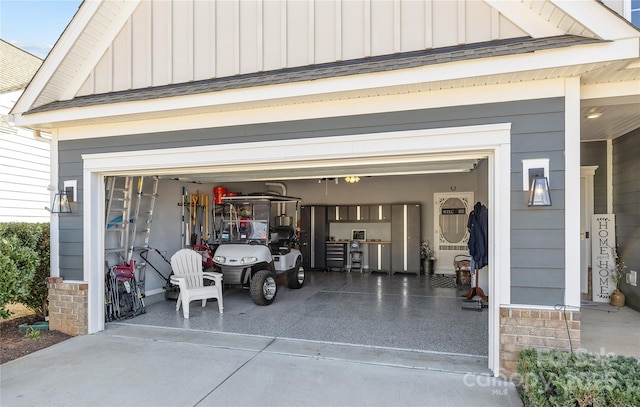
[(618, 116)]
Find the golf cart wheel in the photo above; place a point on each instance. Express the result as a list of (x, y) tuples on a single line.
[(295, 278), (263, 287)]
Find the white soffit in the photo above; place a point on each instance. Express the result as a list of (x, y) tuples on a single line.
[(320, 109), (76, 52), (524, 18), (604, 23)]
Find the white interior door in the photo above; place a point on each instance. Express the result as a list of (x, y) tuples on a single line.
[(450, 216), (586, 211)]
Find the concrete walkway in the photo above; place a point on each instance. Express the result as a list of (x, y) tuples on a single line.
[(145, 366), (609, 330)]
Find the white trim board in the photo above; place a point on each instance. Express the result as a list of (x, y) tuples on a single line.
[(492, 140), (382, 104), (572, 192)]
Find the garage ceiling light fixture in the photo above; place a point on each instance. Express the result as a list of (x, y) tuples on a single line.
[(352, 179), (593, 113)]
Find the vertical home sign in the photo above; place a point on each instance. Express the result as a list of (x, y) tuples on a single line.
[(602, 261)]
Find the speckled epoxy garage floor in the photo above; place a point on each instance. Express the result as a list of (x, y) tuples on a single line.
[(402, 311)]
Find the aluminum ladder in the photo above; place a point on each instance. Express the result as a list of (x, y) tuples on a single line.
[(118, 193), (144, 195)]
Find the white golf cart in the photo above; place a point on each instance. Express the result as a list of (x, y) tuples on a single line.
[(252, 251)]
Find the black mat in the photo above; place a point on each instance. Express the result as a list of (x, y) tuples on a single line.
[(443, 281)]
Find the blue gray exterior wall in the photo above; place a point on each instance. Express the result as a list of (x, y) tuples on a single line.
[(626, 206), (537, 235)]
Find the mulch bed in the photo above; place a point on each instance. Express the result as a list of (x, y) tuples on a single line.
[(14, 343)]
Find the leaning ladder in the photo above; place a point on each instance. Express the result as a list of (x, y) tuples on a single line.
[(118, 192), (142, 216)]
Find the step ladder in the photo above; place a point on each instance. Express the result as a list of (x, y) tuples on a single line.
[(130, 203)]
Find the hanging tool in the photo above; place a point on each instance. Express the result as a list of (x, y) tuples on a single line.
[(194, 206), (201, 218), (206, 218), (184, 226), (187, 236)]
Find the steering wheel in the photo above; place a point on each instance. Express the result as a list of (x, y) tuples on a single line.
[(254, 242)]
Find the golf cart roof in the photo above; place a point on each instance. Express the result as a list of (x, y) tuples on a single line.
[(261, 197)]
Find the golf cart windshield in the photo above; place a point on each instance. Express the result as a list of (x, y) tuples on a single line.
[(245, 222)]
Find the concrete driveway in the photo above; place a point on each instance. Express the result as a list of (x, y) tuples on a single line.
[(128, 365)]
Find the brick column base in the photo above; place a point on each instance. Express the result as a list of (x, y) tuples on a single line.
[(68, 306), (538, 329)]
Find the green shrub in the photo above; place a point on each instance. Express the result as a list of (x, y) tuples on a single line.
[(17, 271), (38, 291), (24, 266), (559, 378), (32, 334)]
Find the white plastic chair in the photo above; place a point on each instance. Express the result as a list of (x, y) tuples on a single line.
[(188, 274)]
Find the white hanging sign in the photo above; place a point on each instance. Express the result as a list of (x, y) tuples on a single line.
[(602, 261)]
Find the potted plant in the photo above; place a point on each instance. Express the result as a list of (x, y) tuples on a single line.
[(616, 275), (426, 255)]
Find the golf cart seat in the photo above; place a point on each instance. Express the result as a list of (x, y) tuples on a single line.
[(281, 245), (188, 275)]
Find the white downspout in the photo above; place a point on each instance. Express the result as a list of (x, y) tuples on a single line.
[(54, 227), (37, 134)]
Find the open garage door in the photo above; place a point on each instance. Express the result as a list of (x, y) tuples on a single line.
[(398, 154)]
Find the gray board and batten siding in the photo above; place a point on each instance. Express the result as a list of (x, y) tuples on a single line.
[(626, 206), (537, 234)]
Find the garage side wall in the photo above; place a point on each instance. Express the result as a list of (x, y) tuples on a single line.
[(626, 206), (537, 236)]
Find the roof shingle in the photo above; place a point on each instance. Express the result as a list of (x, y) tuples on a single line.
[(328, 70), (17, 67)]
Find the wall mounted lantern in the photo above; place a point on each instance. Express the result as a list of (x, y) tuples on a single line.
[(539, 192), (61, 203)]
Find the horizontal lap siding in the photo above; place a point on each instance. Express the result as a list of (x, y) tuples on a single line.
[(24, 177), (626, 206), (537, 234), (537, 132)]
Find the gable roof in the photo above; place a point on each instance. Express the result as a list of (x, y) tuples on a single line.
[(109, 44), (17, 67)]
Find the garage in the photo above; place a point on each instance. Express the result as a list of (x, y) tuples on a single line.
[(434, 106), (366, 308)]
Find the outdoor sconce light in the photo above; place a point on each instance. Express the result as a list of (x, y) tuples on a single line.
[(539, 192), (352, 179), (61, 203)]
